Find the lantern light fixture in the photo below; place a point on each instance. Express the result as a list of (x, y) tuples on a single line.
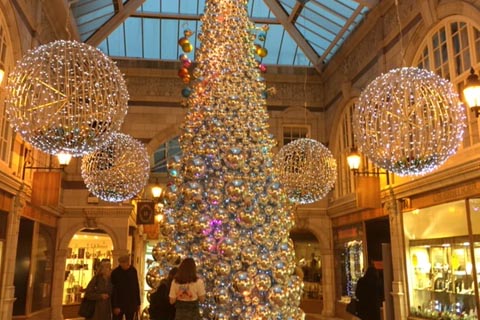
[(471, 92)]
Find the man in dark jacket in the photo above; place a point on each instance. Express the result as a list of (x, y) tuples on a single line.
[(126, 290), (368, 296)]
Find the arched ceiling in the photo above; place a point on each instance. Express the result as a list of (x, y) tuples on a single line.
[(301, 32)]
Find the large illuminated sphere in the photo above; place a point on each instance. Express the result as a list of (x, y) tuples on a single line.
[(306, 169), (66, 96), (409, 121), (118, 171)]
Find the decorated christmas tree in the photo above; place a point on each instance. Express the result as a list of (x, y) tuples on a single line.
[(224, 205)]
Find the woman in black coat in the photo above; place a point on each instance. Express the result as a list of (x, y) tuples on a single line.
[(160, 307), (368, 295)]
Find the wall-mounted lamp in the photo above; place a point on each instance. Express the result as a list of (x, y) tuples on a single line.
[(354, 160), (157, 193), (63, 161), (2, 74), (471, 92)]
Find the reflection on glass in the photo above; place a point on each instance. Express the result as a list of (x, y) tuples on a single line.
[(43, 268), (353, 265)]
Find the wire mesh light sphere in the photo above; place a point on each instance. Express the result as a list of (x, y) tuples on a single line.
[(409, 121), (118, 171), (66, 96), (307, 170)]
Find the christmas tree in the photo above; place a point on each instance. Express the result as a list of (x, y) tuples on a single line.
[(224, 205)]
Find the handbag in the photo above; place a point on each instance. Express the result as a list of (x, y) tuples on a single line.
[(87, 308), (352, 307)]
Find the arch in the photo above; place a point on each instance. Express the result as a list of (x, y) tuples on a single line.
[(446, 12), (295, 110), (65, 239), (162, 136), (9, 16), (337, 120)]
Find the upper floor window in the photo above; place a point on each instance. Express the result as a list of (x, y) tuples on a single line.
[(6, 133), (294, 132), (450, 50), (164, 153)]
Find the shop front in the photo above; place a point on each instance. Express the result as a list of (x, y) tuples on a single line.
[(442, 245)]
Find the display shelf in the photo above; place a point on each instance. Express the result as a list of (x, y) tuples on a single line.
[(441, 279)]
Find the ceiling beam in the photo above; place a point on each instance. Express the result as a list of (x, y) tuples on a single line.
[(192, 17), (367, 3), (340, 34), (98, 36), (296, 12), (281, 15), (118, 5)]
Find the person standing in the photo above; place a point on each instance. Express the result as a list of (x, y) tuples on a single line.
[(187, 291), (160, 306), (368, 296), (100, 290), (126, 290)]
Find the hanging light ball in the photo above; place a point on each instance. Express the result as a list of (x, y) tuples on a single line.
[(409, 121), (66, 96), (307, 170), (117, 171)]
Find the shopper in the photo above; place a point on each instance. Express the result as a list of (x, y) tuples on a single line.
[(100, 290), (187, 291), (126, 290), (368, 295), (160, 306)]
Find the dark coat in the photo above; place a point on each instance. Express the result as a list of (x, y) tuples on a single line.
[(160, 307), (126, 290), (95, 288), (368, 295)]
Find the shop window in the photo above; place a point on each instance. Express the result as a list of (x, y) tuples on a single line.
[(85, 252), (442, 257), (307, 253), (349, 259), (23, 264), (42, 266)]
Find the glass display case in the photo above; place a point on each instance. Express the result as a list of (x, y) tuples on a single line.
[(442, 259), (442, 279)]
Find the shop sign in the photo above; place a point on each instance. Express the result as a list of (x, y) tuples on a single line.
[(145, 212)]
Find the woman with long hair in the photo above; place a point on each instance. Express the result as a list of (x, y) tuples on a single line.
[(160, 306), (187, 291), (100, 290)]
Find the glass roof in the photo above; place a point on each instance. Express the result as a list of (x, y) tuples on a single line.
[(301, 32)]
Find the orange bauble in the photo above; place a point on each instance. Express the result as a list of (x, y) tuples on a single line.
[(183, 72), (183, 41)]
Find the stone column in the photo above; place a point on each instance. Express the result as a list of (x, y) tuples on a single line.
[(58, 282), (13, 226), (398, 256), (328, 284)]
